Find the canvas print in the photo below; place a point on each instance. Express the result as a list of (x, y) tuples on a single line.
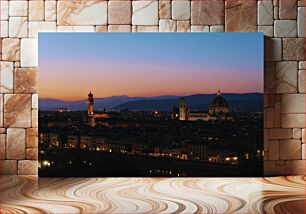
[(150, 104)]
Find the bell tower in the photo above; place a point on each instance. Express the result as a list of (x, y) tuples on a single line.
[(183, 109), (90, 104)]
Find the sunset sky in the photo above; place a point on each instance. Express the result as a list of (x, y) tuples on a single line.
[(148, 64)]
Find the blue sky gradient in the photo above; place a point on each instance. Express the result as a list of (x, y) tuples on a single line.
[(160, 63)]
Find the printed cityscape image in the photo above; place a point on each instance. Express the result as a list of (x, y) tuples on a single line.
[(150, 105)]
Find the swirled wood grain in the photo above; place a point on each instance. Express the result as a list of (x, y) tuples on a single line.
[(26, 194)]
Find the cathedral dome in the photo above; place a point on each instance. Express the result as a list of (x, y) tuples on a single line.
[(218, 105), (218, 101)]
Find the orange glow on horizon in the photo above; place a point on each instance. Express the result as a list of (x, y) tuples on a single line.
[(144, 84), (100, 95)]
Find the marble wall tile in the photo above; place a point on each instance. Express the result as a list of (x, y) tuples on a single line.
[(91, 12), (269, 77), (286, 77), (272, 49), (183, 26), (27, 167), (207, 12), (301, 3), (134, 28), (4, 29), (274, 146), (31, 138), (302, 65), (17, 64), (119, 12), (75, 29), (275, 13), (147, 28), (290, 149), (275, 3), (241, 15), (17, 110), (11, 49), (180, 10), (301, 21), (36, 10), (280, 169), (29, 53), (293, 103), (266, 139), (1, 110), (7, 77), (267, 30), (269, 168), (277, 117), (301, 81), (267, 100), (269, 118), (295, 167), (119, 28), (199, 28), (164, 9), (216, 28), (304, 135), (293, 120), (35, 100), (1, 47), (285, 28), (145, 13), (4, 9), (32, 154), (15, 144), (2, 146), (293, 49), (34, 118), (280, 133), (25, 80), (265, 12), (287, 9), (297, 133), (8, 167), (18, 27), (36, 26), (50, 10), (167, 25), (271, 100), (18, 8), (101, 28)]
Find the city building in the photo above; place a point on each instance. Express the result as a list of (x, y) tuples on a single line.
[(90, 110), (90, 104), (217, 110)]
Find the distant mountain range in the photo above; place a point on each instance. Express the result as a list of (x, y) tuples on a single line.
[(246, 101)]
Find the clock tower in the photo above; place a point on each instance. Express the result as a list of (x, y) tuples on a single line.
[(90, 104)]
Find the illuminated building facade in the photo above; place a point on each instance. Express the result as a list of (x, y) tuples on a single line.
[(217, 110), (90, 111), (183, 109), (90, 104)]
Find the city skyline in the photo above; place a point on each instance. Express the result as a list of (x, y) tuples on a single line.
[(148, 64)]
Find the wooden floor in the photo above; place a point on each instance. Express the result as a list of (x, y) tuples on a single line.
[(152, 195)]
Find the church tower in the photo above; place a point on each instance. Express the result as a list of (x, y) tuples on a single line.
[(183, 109), (90, 104)]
